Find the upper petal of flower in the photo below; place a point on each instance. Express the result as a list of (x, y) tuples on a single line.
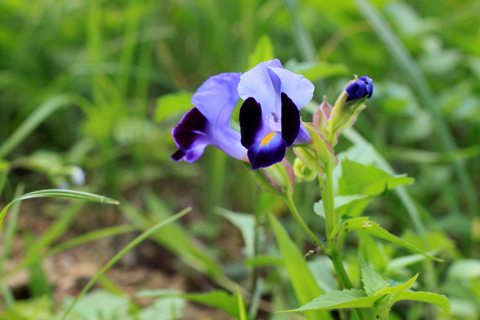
[(209, 122), (217, 97), (264, 86), (298, 88)]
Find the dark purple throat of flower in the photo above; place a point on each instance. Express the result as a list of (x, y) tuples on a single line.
[(267, 142)]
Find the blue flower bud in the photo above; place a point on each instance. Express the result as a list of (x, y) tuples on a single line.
[(361, 88), (348, 106)]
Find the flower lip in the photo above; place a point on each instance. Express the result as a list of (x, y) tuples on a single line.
[(262, 155), (361, 88)]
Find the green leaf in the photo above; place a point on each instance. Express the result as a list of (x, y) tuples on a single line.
[(241, 306), (263, 52), (304, 284), (100, 304), (437, 299), (322, 271), (217, 299), (171, 104), (263, 260), (162, 309), (337, 299), (373, 250), (372, 281), (402, 262), (357, 298), (399, 288), (352, 205), (363, 224), (246, 224), (466, 269), (358, 179)]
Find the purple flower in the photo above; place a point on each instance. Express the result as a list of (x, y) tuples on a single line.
[(209, 122), (363, 87), (270, 115)]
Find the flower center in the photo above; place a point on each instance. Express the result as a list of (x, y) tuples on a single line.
[(267, 138)]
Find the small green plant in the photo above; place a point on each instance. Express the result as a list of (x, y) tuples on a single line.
[(270, 122)]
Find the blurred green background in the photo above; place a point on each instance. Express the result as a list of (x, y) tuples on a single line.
[(89, 90)]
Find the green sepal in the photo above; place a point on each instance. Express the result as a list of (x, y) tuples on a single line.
[(277, 179), (302, 172), (318, 153)]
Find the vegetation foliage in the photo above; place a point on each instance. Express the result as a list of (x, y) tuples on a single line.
[(89, 93)]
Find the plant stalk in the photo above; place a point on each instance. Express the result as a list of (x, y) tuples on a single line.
[(291, 205), (331, 221)]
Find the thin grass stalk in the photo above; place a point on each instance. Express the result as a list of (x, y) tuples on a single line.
[(10, 234), (33, 120), (75, 242), (129, 45), (38, 308), (55, 193), (119, 255), (216, 172)]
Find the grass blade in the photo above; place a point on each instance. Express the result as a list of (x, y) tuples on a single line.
[(89, 237), (241, 306), (10, 233), (37, 117), (38, 308), (119, 255), (3, 180), (303, 282), (57, 193), (86, 238)]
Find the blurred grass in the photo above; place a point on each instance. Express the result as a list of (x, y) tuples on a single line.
[(114, 59)]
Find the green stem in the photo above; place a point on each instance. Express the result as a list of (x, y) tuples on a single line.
[(291, 205), (328, 202), (339, 268), (330, 219), (382, 314)]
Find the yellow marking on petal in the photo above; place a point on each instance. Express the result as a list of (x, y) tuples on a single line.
[(267, 138)]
